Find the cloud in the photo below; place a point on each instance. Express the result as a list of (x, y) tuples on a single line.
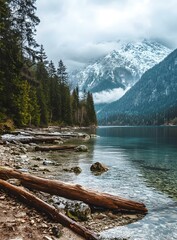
[(79, 30), (109, 96)]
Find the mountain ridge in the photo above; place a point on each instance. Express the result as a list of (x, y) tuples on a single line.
[(154, 94), (121, 68)]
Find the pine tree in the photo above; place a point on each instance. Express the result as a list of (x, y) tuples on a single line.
[(17, 27), (90, 110), (53, 93), (32, 92), (75, 106), (43, 92), (10, 63), (24, 104), (61, 72), (24, 23), (34, 108), (64, 94)]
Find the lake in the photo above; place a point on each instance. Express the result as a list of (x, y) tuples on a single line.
[(142, 165)]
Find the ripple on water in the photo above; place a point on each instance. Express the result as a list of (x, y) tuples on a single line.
[(129, 177)]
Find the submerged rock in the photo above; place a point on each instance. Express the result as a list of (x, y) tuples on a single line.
[(76, 170), (99, 167)]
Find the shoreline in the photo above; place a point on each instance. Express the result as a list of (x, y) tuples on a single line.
[(23, 157)]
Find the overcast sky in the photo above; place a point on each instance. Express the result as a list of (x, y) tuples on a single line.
[(78, 31)]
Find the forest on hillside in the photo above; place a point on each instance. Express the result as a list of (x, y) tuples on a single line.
[(33, 92)]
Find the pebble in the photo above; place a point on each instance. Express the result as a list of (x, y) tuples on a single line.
[(111, 215), (2, 197), (32, 222), (43, 225), (20, 215), (47, 238), (23, 221)]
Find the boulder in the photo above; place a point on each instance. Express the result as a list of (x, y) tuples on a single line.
[(78, 211), (99, 167), (81, 148)]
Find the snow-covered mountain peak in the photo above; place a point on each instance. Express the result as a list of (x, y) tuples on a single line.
[(122, 67)]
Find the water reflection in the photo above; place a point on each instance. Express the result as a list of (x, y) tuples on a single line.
[(150, 161), (153, 152), (142, 166)]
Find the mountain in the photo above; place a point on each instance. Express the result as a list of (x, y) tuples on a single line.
[(110, 76), (152, 100)]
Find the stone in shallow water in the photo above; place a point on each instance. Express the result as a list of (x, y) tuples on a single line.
[(81, 148), (99, 167), (76, 170)]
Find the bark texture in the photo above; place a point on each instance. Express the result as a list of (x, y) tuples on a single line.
[(55, 148), (39, 204), (74, 192)]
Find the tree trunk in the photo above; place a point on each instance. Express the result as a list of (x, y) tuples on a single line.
[(38, 204), (55, 147), (74, 192)]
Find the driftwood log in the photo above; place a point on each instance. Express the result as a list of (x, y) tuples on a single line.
[(74, 192), (39, 204), (55, 148), (46, 139)]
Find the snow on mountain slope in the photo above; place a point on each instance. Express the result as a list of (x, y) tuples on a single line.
[(110, 76), (151, 100)]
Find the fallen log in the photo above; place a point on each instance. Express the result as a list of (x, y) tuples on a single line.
[(55, 147), (49, 139), (31, 139), (74, 192), (39, 204)]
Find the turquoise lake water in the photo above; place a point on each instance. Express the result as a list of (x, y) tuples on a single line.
[(142, 165)]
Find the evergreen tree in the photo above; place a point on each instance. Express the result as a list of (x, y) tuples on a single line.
[(33, 92), (10, 63), (11, 52), (24, 104), (24, 23), (67, 105), (43, 92), (53, 93), (75, 106), (91, 115), (34, 108), (42, 57), (64, 94), (61, 72)]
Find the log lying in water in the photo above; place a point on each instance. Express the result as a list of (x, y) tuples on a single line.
[(55, 148), (74, 192), (38, 204)]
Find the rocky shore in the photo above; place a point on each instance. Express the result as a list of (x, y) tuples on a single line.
[(20, 222)]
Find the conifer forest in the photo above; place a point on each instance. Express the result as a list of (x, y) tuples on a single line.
[(33, 92)]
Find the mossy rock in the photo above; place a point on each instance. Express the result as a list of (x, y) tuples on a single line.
[(78, 211), (7, 126)]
